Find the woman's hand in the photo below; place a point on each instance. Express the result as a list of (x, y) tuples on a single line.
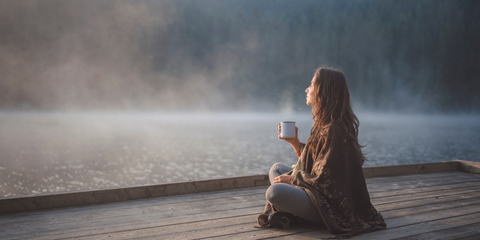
[(283, 179), (293, 141)]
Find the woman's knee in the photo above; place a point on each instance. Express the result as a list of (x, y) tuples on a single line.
[(279, 168), (275, 167), (276, 192)]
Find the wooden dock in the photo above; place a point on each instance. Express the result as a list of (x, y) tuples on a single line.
[(420, 201)]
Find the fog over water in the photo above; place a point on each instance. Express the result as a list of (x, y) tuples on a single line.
[(100, 94)]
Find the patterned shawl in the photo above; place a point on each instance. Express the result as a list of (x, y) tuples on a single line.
[(335, 183)]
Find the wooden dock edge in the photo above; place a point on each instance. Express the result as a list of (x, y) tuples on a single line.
[(467, 166), (420, 168), (409, 169), (71, 199)]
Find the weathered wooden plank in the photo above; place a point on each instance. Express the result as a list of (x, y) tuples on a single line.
[(114, 224), (416, 219), (307, 235), (423, 189), (413, 213), (433, 207), (259, 234), (186, 231), (166, 209), (164, 216), (403, 221), (259, 204), (446, 232), (468, 166), (139, 213), (422, 195), (9, 205), (425, 177), (471, 235), (408, 169), (430, 216), (75, 221), (134, 207), (121, 226), (447, 174), (416, 227), (411, 184), (224, 230), (460, 232), (466, 236), (456, 195), (163, 224), (438, 176), (463, 232), (424, 202)]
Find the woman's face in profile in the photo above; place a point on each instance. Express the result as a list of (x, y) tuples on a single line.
[(310, 93)]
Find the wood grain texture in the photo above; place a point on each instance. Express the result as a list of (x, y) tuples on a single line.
[(467, 166), (398, 170), (461, 232), (48, 201), (422, 206)]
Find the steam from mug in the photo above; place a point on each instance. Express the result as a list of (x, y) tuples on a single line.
[(287, 129)]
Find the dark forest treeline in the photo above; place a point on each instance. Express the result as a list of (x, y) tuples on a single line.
[(411, 55)]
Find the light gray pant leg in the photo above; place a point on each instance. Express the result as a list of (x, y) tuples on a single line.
[(276, 170), (288, 198)]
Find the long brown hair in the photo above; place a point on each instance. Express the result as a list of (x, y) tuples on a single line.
[(332, 106)]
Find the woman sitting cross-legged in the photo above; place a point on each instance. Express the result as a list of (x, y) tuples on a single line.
[(326, 186)]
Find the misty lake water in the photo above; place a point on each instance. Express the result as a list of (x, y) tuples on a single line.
[(62, 152)]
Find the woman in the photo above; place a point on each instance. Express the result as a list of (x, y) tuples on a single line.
[(326, 186)]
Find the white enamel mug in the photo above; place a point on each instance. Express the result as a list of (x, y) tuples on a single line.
[(287, 129)]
